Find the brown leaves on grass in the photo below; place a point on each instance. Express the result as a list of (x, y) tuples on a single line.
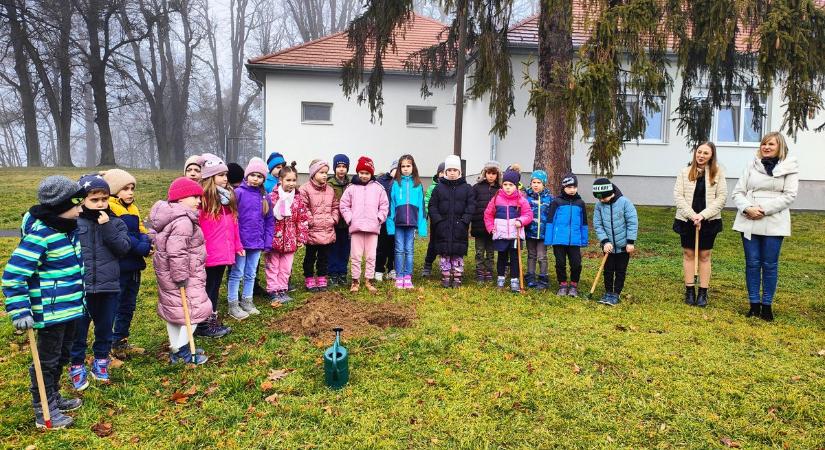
[(730, 443), (102, 428), (182, 397), (279, 374), (576, 369)]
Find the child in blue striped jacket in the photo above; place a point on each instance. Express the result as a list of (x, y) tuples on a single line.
[(43, 286)]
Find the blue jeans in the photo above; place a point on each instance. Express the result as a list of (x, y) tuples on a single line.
[(761, 266), (404, 241), (339, 254), (100, 309), (246, 268), (127, 302)]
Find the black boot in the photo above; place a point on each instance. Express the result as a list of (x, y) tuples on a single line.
[(690, 295), (767, 313), (702, 297), (756, 310)]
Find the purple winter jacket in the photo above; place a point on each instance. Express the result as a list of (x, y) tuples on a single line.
[(256, 229), (179, 257)]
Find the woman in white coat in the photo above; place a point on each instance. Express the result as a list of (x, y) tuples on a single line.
[(700, 194), (763, 196)]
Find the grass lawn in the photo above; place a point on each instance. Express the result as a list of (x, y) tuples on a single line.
[(479, 367)]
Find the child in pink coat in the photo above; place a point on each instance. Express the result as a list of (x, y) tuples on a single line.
[(219, 221), (319, 197), (179, 264), (505, 218), (291, 233), (364, 207)]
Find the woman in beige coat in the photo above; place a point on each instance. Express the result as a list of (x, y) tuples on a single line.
[(763, 196), (700, 193)]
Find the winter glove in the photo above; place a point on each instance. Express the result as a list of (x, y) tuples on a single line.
[(23, 323), (180, 284)]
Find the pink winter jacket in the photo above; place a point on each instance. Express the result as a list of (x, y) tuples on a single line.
[(502, 212), (323, 212), (364, 207), (223, 240), (179, 257)]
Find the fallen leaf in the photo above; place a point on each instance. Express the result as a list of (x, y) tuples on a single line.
[(821, 352), (279, 374), (434, 440), (115, 363), (430, 382), (508, 356), (621, 328), (273, 399), (730, 443), (266, 386), (530, 368), (328, 409), (662, 427), (448, 371), (183, 397), (211, 389), (576, 369), (261, 340), (772, 412), (454, 329), (103, 429), (796, 378)]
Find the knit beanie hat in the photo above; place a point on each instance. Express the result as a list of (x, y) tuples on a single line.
[(274, 159), (569, 179), (316, 167), (340, 159), (365, 164), (57, 192), (492, 164), (211, 165), (235, 174), (92, 182), (194, 159), (256, 165), (183, 187), (539, 175), (452, 162), (512, 176), (602, 188), (118, 179)]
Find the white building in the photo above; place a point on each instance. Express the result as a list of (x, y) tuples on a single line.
[(307, 117)]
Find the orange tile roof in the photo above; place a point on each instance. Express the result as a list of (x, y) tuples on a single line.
[(331, 51)]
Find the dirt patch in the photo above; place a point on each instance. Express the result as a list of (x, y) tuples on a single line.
[(322, 312)]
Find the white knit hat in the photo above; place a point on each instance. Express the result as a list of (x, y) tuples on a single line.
[(452, 162)]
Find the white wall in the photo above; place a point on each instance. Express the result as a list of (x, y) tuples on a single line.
[(351, 132)]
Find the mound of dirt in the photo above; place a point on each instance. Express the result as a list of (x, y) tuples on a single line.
[(322, 312)]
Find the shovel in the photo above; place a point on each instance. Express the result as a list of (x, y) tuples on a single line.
[(598, 274), (696, 258), (520, 268), (38, 373), (188, 321)]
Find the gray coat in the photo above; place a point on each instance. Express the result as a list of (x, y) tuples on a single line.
[(102, 247)]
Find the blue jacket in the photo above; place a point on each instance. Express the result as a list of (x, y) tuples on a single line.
[(540, 204), (407, 206), (44, 275), (141, 245), (103, 247), (568, 222), (616, 222), (270, 182)]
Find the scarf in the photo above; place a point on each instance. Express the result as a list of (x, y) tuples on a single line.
[(283, 207), (52, 220), (224, 195), (770, 164)]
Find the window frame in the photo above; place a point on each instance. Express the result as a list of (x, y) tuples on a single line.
[(305, 121), (740, 142), (665, 111), (432, 109)]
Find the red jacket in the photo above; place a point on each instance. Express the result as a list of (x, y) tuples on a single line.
[(291, 230)]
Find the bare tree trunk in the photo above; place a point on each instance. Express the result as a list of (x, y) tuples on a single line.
[(97, 70), (24, 84), (91, 136), (64, 120), (553, 133), (459, 76)]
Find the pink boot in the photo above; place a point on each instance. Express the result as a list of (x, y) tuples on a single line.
[(310, 284), (322, 283), (408, 282)]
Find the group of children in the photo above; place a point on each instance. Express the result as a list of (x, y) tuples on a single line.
[(83, 246)]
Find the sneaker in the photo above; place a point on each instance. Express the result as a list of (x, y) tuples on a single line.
[(530, 280), (100, 370), (408, 282), (611, 299), (379, 276), (399, 283), (77, 373), (311, 284), (184, 355), (368, 284), (391, 275), (67, 404), (211, 328), (604, 299), (236, 312), (572, 290), (500, 282), (249, 306), (321, 284), (514, 285), (58, 419), (123, 346), (563, 290)]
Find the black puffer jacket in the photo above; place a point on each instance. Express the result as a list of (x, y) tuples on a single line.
[(484, 192), (451, 211), (102, 247)]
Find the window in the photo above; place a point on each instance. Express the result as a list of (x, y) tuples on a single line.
[(316, 113), (734, 123), (420, 116), (655, 120)]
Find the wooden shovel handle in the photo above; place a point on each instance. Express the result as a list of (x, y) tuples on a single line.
[(38, 374), (188, 321), (598, 274)]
